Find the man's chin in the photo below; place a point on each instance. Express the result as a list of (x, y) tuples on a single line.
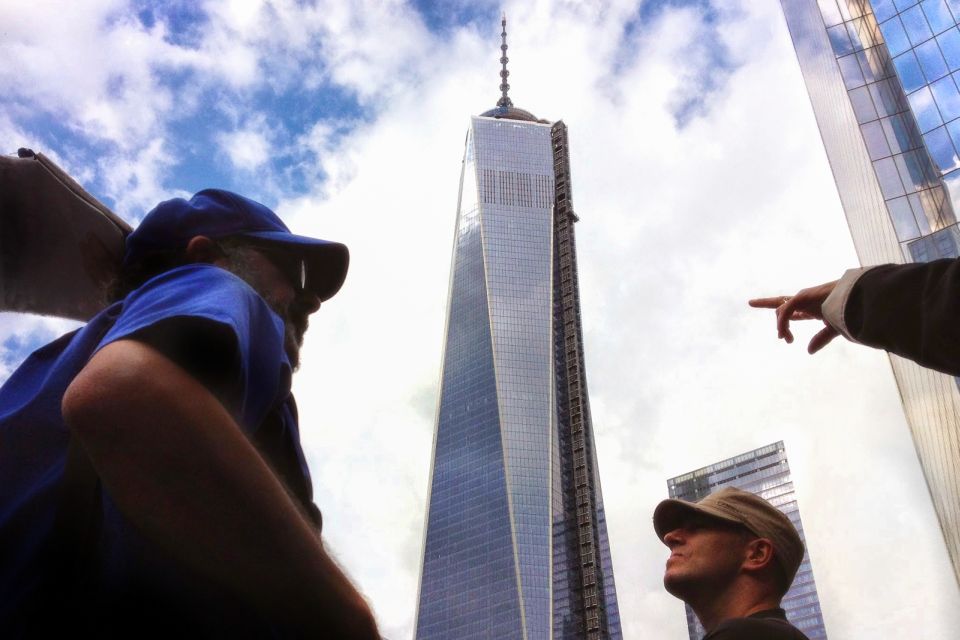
[(674, 584), (292, 347)]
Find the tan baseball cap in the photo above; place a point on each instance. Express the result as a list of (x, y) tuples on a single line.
[(744, 508)]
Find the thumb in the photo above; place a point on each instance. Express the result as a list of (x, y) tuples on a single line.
[(822, 339)]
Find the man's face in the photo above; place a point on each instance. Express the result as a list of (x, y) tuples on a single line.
[(278, 277), (706, 554)]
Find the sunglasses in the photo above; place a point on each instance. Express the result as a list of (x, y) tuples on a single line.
[(291, 266)]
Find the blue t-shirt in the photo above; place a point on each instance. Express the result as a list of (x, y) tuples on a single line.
[(215, 326)]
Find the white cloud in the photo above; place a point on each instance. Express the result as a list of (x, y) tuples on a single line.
[(248, 149)]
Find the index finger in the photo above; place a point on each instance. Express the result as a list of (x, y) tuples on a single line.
[(767, 303)]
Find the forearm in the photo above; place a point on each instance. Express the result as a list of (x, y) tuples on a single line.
[(180, 469)]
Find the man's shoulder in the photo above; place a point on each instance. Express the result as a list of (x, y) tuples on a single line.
[(195, 281), (199, 291), (755, 628)]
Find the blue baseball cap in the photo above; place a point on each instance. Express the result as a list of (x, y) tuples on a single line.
[(216, 214)]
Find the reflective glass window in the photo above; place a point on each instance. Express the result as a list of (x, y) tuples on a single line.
[(924, 109), (931, 60), (904, 4), (941, 149), (952, 182), (953, 128), (949, 42), (847, 12), (895, 36), (898, 136), (920, 213), (875, 140), (887, 98), (855, 31), (850, 70), (863, 105), (903, 221), (862, 31), (947, 97), (916, 25), (884, 9), (938, 15), (910, 173), (840, 40), (888, 177), (831, 14), (909, 71), (954, 9), (872, 64), (914, 172)]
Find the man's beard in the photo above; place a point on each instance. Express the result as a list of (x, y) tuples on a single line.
[(294, 323)]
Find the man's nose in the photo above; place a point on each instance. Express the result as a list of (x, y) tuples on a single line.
[(673, 538), (307, 302)]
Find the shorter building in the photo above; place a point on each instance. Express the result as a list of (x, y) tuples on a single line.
[(765, 472)]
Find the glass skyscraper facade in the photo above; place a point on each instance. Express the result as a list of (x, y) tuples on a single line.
[(515, 542), (883, 79), (765, 472)]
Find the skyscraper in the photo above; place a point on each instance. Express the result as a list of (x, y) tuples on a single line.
[(882, 77), (515, 542), (765, 472)]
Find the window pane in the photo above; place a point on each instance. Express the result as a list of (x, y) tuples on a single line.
[(902, 217), (937, 15), (900, 134), (861, 31), (911, 170), (839, 40), (909, 71), (904, 4), (895, 36), (931, 60), (875, 140), (888, 177), (920, 214), (947, 97), (883, 9), (862, 105), (916, 25), (952, 182), (871, 73), (844, 6), (941, 149), (885, 98), (831, 15), (953, 128), (925, 110), (949, 42), (871, 63)]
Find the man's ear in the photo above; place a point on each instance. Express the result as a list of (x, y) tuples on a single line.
[(203, 249), (758, 554)]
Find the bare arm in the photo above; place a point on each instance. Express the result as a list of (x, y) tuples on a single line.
[(178, 466)]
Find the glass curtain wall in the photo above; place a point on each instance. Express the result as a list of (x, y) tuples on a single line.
[(882, 80)]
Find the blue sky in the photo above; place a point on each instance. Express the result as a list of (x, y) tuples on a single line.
[(699, 179)]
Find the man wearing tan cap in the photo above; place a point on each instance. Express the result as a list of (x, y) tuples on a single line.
[(733, 556)]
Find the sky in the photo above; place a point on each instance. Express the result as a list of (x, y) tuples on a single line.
[(700, 181)]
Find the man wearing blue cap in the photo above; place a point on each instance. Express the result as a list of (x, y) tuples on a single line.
[(153, 481)]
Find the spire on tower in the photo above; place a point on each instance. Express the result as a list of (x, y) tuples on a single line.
[(504, 100)]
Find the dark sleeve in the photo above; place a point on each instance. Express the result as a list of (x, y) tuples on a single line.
[(912, 310)]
